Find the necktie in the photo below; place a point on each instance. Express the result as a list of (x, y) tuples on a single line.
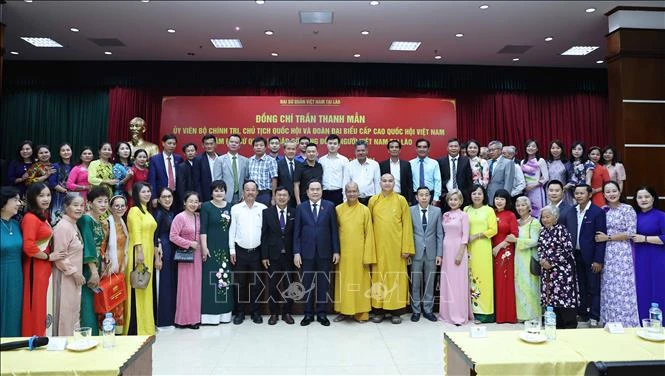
[(282, 220), (169, 174), (422, 173), (234, 168), (291, 169), (424, 219), (491, 167), (454, 173), (316, 212)]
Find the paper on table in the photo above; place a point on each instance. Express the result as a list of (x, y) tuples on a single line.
[(56, 343)]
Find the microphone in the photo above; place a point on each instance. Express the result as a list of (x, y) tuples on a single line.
[(31, 343)]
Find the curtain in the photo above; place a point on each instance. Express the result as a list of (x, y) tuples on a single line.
[(125, 104)]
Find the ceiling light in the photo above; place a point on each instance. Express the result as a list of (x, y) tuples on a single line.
[(356, 55), (373, 3), (14, 53), (437, 57), (145, 1), (237, 28), (260, 2), (590, 10), (108, 53), (317, 17), (484, 6), (274, 54), (73, 29), (41, 42), (599, 61), (459, 35), (579, 50), (404, 46), (548, 39), (171, 31), (365, 32), (516, 59), (269, 32), (28, 1), (226, 43)]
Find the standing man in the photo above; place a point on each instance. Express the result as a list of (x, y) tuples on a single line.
[(273, 145), (277, 254), (232, 168), (502, 171), (519, 183), (286, 170), (315, 245), (391, 218), (584, 221), (400, 169), (428, 239), (426, 171), (305, 172), (263, 170), (365, 172), (333, 171), (303, 141), (184, 175), (555, 194), (162, 172), (244, 243), (204, 166), (356, 238), (456, 173)]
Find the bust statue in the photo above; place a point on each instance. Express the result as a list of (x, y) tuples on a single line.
[(136, 141)]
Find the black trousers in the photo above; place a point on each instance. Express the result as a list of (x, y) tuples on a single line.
[(335, 196), (282, 275), (264, 197), (316, 271), (566, 318), (589, 284), (247, 275)]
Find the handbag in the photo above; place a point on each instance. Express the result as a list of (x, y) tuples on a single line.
[(112, 292), (186, 255), (139, 278)]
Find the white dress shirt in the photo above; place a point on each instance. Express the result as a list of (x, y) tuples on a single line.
[(211, 163), (580, 218), (449, 183), (519, 182), (166, 165), (245, 226), (333, 171), (396, 170), (366, 175)]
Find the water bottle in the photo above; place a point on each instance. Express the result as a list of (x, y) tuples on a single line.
[(108, 327), (655, 313), (550, 323)]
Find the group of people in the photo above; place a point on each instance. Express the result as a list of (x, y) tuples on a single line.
[(507, 237)]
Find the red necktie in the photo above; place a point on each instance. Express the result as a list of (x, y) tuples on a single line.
[(169, 172)]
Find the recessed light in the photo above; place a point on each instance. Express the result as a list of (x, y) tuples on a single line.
[(73, 29), (365, 32), (459, 35), (14, 53), (590, 10), (237, 28), (145, 1), (260, 2), (579, 50), (484, 6), (41, 42), (516, 59), (373, 3), (356, 55), (404, 46), (599, 61), (549, 39), (171, 31), (269, 32), (226, 43), (108, 53), (28, 1), (274, 54), (437, 57)]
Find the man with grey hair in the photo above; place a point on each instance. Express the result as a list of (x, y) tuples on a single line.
[(502, 171), (519, 182), (365, 172)]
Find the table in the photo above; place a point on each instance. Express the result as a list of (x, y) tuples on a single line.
[(503, 353), (132, 355)]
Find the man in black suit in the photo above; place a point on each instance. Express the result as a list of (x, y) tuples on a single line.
[(286, 170), (277, 253), (456, 173), (400, 169), (202, 168), (184, 181), (315, 245), (555, 195)]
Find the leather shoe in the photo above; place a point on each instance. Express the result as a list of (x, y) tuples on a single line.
[(396, 319), (287, 318), (415, 317), (378, 318), (257, 319), (238, 319), (272, 320), (306, 320), (195, 326), (323, 320), (430, 316)]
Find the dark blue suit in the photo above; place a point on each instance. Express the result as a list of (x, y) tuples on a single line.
[(157, 176), (589, 251), (316, 240), (202, 177), (564, 208), (285, 179)]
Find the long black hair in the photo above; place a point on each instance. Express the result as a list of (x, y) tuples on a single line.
[(34, 190)]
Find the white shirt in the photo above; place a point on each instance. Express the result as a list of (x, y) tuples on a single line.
[(333, 171), (211, 163), (318, 207), (580, 219), (245, 226), (449, 183), (395, 170), (519, 183), (166, 165), (367, 176)]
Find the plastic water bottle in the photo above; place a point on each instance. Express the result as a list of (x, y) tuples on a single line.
[(108, 327), (655, 313), (550, 323)]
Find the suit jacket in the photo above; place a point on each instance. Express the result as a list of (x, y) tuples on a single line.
[(315, 238), (429, 243), (286, 180), (405, 178), (183, 182), (273, 240), (464, 177), (222, 170), (503, 176), (202, 177), (157, 176), (594, 221), (564, 208)]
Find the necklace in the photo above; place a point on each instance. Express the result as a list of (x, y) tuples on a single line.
[(9, 228)]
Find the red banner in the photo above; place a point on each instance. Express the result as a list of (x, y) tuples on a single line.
[(376, 120)]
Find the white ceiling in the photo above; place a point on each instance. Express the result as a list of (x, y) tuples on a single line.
[(142, 28)]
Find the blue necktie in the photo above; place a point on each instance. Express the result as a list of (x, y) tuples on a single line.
[(316, 213), (282, 221), (491, 167), (424, 219), (422, 173)]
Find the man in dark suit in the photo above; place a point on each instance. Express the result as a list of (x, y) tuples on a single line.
[(184, 181), (286, 170), (555, 195), (315, 244), (162, 172), (456, 173), (277, 253), (583, 222), (400, 169), (203, 167)]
